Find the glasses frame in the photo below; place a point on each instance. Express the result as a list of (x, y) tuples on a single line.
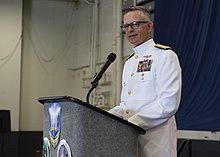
[(133, 25)]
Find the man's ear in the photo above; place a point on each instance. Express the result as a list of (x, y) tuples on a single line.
[(150, 25)]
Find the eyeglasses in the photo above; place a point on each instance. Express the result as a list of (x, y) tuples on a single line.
[(133, 25)]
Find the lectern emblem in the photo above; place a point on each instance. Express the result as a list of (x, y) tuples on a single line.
[(46, 152), (54, 132), (63, 149)]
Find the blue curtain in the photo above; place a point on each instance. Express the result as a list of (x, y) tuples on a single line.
[(192, 29)]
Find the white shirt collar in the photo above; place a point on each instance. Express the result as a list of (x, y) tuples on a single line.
[(140, 49)]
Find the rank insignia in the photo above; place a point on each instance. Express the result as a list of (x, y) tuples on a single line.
[(148, 56), (63, 149), (144, 65), (55, 123), (46, 152), (162, 47)]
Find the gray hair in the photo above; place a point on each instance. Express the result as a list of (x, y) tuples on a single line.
[(142, 9)]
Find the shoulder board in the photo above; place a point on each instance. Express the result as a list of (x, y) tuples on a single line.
[(162, 47), (130, 56)]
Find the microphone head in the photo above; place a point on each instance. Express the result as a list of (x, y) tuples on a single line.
[(111, 57)]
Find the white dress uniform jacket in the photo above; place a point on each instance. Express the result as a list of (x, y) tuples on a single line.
[(151, 89)]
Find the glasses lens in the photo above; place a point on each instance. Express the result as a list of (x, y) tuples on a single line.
[(134, 24), (124, 27)]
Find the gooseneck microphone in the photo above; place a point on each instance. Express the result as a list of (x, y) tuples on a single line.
[(111, 58)]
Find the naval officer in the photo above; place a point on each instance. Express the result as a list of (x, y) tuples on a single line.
[(151, 87)]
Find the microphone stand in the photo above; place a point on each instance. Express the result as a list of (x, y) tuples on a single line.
[(88, 94), (94, 85), (111, 57)]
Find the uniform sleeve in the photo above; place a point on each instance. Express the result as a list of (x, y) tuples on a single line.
[(168, 84), (117, 111)]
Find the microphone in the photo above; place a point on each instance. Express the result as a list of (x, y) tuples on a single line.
[(111, 57)]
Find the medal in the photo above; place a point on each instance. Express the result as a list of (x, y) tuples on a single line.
[(144, 65)]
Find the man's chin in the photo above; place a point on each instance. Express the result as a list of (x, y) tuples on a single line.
[(135, 43), (132, 41)]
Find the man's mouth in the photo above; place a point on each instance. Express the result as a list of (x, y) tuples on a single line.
[(132, 35)]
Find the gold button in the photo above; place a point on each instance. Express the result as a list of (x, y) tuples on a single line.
[(129, 92), (136, 57), (127, 111), (142, 74), (132, 74), (142, 78)]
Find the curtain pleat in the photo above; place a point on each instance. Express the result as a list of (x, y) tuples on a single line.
[(192, 29)]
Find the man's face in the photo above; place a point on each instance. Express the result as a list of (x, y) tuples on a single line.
[(140, 34)]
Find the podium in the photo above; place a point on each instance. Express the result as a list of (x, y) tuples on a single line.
[(90, 131)]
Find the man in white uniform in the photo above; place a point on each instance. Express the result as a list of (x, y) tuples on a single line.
[(151, 87)]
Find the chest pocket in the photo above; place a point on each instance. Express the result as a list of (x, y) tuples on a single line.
[(144, 86)]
